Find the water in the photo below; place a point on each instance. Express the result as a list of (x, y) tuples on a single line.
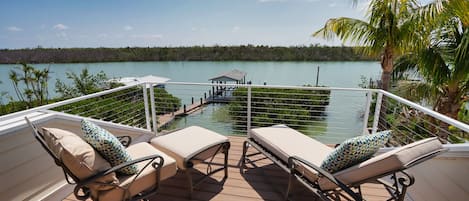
[(333, 74)]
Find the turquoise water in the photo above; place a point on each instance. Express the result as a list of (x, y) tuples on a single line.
[(343, 114), (334, 74)]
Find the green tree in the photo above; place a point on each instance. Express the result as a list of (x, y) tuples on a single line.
[(442, 60), (14, 78), (35, 84), (387, 31), (82, 84)]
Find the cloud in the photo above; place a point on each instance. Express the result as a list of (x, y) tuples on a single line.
[(60, 27), (128, 28), (235, 29), (14, 29)]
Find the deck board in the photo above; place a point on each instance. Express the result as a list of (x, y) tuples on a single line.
[(264, 182)]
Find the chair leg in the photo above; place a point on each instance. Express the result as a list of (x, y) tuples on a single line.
[(227, 148), (190, 182), (243, 156), (290, 183)]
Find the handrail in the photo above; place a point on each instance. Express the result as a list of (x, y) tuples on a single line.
[(273, 86), (427, 111), (254, 112), (65, 102)]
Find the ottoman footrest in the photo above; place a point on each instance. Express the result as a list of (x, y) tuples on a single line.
[(193, 145)]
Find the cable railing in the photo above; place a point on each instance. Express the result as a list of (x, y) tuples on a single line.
[(124, 106), (329, 114), (411, 122)]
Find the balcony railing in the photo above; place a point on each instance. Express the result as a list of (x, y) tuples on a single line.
[(327, 113)]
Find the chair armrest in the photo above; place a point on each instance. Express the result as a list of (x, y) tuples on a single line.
[(151, 160), (125, 140), (321, 172)]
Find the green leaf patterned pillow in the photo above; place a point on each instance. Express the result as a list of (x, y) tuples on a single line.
[(354, 151), (108, 146)]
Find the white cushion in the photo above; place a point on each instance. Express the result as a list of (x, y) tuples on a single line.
[(78, 156), (186, 143)]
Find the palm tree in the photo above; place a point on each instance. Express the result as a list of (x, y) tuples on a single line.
[(388, 32), (443, 61), (14, 77)]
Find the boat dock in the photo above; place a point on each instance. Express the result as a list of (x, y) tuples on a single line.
[(165, 119), (218, 94)]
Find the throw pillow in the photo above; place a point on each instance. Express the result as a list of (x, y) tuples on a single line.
[(79, 157), (354, 151), (108, 146)]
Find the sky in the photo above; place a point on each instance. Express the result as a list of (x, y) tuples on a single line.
[(167, 23)]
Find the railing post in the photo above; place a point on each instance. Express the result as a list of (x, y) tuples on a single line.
[(147, 109), (248, 126), (377, 111), (153, 110), (369, 95)]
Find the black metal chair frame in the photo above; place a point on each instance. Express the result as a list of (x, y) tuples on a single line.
[(189, 164), (81, 190), (397, 188)]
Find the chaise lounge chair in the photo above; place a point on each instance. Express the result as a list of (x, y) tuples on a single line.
[(94, 177), (158, 160), (303, 157)]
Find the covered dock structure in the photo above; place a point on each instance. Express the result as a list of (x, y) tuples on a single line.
[(235, 76)]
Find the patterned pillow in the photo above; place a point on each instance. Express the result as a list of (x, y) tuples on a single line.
[(354, 151), (108, 146)]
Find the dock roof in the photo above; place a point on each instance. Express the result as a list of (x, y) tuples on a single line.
[(234, 75)]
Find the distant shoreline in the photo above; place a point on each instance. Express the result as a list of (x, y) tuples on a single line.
[(195, 53)]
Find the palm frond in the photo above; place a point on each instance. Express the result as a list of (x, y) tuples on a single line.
[(433, 67), (405, 65), (416, 91), (348, 29), (461, 60)]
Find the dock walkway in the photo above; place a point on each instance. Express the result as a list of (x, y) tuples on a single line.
[(165, 119)]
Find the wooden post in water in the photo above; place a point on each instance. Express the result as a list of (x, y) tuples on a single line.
[(192, 100), (200, 101), (317, 77), (185, 109)]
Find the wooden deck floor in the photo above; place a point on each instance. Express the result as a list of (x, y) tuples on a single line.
[(266, 181)]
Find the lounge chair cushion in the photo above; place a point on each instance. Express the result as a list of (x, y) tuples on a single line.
[(355, 150), (193, 142), (108, 146), (78, 156), (147, 178), (396, 159), (284, 142)]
